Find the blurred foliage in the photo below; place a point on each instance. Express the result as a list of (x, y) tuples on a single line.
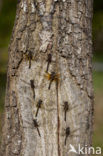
[(2, 91), (97, 22), (98, 57), (98, 109), (98, 5), (3, 60), (98, 81), (98, 28), (7, 15)]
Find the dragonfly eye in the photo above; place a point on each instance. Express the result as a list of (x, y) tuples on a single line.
[(66, 106)]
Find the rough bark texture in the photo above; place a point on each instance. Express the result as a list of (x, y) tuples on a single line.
[(62, 28)]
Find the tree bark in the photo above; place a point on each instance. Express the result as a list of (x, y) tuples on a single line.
[(64, 30)]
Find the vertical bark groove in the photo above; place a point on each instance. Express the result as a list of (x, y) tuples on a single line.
[(58, 119)]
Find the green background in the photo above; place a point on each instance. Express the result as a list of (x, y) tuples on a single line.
[(7, 16)]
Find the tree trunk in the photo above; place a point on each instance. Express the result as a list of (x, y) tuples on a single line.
[(61, 29)]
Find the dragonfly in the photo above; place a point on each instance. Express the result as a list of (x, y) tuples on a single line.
[(29, 57), (38, 107), (52, 77), (66, 108), (49, 59), (32, 87), (36, 126), (67, 133)]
